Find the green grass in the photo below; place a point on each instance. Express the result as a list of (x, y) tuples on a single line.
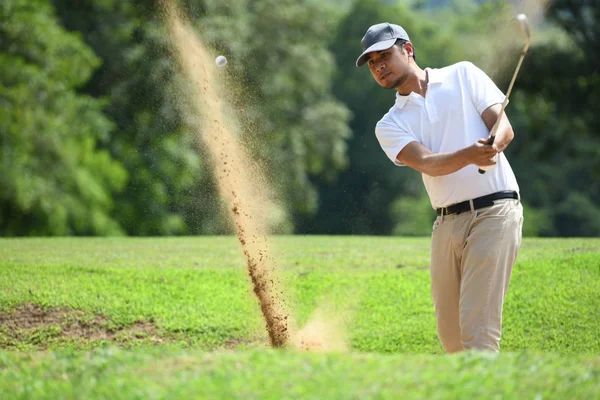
[(208, 332), (269, 374)]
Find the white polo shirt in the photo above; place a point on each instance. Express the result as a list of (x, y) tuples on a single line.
[(446, 120)]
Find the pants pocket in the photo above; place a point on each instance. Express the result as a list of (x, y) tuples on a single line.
[(500, 209)]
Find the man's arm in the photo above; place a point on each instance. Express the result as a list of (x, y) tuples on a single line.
[(420, 158), (504, 134)]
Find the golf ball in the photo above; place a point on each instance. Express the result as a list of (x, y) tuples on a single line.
[(221, 61)]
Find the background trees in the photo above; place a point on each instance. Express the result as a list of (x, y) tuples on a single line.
[(56, 179), (93, 141)]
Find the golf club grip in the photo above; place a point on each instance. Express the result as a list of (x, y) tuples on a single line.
[(490, 141)]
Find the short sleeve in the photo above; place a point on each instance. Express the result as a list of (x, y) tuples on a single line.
[(482, 89), (392, 139)]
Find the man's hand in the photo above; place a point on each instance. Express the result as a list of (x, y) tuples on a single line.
[(504, 133), (480, 153)]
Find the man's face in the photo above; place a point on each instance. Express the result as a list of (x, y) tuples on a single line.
[(390, 67)]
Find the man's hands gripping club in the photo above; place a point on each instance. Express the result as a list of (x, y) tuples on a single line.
[(482, 153)]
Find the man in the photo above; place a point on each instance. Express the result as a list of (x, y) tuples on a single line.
[(439, 126)]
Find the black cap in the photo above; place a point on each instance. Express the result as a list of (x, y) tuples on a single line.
[(380, 37)]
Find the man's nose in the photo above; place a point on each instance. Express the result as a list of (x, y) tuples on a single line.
[(380, 66)]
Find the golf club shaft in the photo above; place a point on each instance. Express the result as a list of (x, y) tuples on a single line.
[(505, 102)]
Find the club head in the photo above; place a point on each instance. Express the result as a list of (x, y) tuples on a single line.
[(524, 25)]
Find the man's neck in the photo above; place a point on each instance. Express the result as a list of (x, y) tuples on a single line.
[(416, 82)]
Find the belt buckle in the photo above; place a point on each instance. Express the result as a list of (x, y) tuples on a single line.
[(444, 210)]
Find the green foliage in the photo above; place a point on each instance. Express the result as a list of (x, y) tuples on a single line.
[(579, 18), (137, 79), (577, 215), (557, 144), (293, 123), (488, 33), (307, 114), (413, 216), (54, 179), (536, 222)]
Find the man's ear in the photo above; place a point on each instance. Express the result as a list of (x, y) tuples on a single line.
[(408, 47)]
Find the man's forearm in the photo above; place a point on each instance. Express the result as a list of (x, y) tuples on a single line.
[(504, 132), (504, 135), (440, 164), (420, 158)]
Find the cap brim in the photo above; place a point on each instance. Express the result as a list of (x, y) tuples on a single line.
[(379, 46)]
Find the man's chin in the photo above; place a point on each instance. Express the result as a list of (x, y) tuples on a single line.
[(390, 84), (387, 85)]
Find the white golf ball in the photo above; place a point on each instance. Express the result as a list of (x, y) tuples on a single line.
[(522, 17), (221, 61)]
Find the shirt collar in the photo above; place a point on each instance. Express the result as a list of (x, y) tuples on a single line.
[(435, 76)]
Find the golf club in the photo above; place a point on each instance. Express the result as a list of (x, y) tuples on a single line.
[(522, 18)]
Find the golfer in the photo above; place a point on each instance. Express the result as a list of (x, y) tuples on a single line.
[(438, 126)]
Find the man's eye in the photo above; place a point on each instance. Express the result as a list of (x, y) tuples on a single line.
[(384, 55)]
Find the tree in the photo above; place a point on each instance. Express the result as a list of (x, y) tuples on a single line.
[(54, 179), (279, 70), (137, 79), (281, 61)]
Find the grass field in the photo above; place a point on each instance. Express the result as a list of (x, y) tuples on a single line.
[(176, 318)]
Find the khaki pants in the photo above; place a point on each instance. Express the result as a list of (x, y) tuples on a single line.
[(472, 255)]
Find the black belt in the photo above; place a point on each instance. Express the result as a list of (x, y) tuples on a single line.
[(479, 202)]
